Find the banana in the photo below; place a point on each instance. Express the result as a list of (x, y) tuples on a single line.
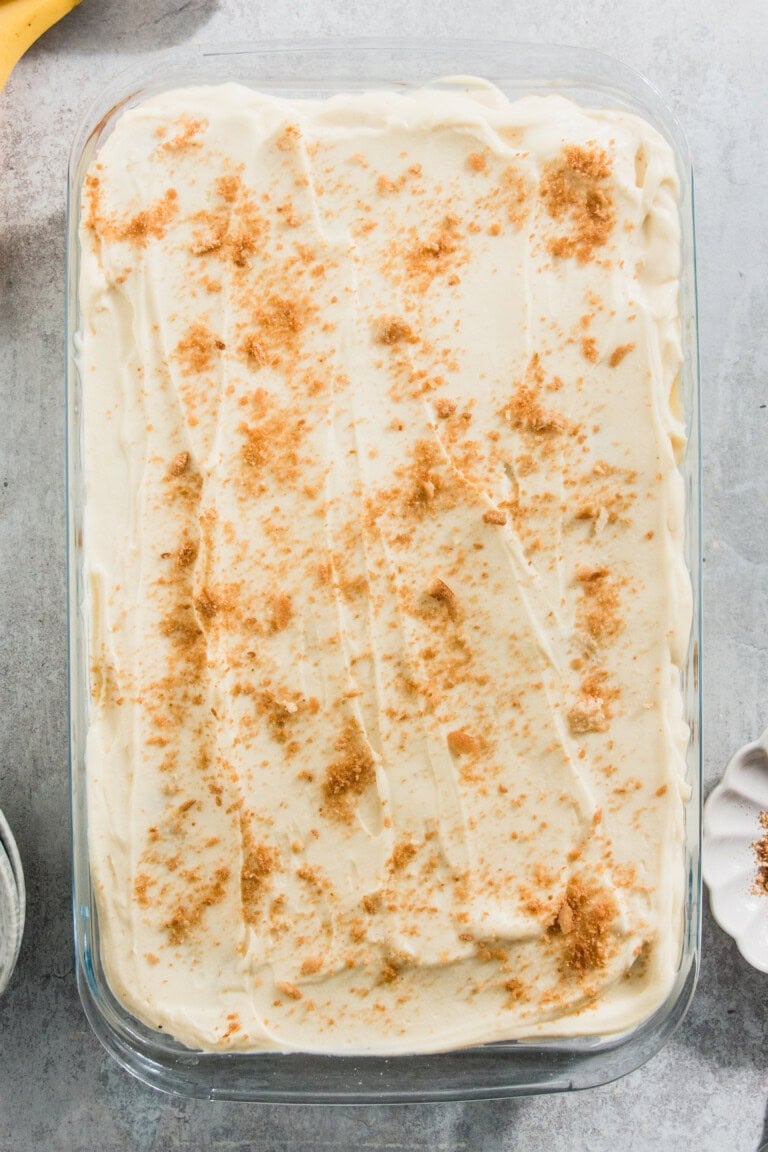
[(21, 23)]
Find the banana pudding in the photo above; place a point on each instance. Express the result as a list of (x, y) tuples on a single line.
[(387, 602)]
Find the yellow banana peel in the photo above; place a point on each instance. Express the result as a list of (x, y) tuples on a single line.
[(21, 23)]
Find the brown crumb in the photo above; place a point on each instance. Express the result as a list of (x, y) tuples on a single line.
[(438, 254), (141, 886), (575, 188), (228, 188), (280, 714), (439, 590), (289, 990), (259, 862), (105, 685), (598, 613), (288, 138), (179, 464), (191, 908), (196, 350), (186, 555), (181, 628), (445, 407), (525, 410), (349, 775), (584, 925), (592, 711), (273, 438), (392, 330), (565, 918), (138, 229), (461, 743), (231, 231), (207, 604), (516, 991), (760, 848), (402, 854), (385, 185), (186, 137), (618, 354), (389, 973), (430, 487), (233, 1025), (588, 715), (252, 349), (392, 967), (281, 320), (282, 612)]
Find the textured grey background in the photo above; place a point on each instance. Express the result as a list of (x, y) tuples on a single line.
[(58, 1091)]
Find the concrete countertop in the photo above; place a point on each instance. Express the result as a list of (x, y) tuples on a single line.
[(59, 1092)]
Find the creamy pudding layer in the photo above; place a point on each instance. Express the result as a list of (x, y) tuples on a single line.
[(384, 555)]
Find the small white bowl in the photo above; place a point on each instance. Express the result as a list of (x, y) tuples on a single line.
[(731, 827), (12, 902)]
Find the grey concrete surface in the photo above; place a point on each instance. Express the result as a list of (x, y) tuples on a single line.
[(59, 1092)]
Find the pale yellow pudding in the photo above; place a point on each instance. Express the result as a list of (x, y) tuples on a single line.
[(384, 546)]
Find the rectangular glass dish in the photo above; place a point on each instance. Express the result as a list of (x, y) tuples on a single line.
[(487, 1071)]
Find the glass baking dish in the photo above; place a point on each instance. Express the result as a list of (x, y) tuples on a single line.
[(495, 1070)]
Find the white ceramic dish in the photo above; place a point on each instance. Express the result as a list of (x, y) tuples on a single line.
[(9, 844), (731, 827), (12, 903)]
